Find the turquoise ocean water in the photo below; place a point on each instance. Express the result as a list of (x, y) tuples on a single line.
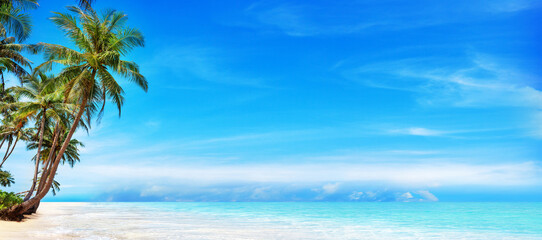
[(295, 220)]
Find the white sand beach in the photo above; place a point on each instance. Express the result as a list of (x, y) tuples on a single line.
[(97, 221), (36, 226)]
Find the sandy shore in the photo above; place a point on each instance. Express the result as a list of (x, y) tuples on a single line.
[(36, 225), (103, 221), (95, 221)]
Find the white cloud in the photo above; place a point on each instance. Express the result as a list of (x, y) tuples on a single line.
[(424, 132), (420, 174), (426, 195), (418, 131), (414, 152), (355, 195), (330, 188), (407, 195)]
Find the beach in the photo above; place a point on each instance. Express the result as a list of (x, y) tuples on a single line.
[(271, 120), (279, 221)]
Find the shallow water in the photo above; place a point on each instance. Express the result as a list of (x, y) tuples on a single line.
[(280, 221)]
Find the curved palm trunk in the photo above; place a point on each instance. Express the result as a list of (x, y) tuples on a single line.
[(12, 148), (29, 194), (16, 212), (2, 144), (46, 169), (44, 176), (45, 173), (8, 152), (3, 83)]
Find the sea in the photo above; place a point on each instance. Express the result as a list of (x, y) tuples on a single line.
[(281, 220)]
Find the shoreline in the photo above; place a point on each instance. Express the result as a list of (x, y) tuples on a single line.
[(319, 221)]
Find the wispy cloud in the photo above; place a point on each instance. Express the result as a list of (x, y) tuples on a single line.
[(348, 17), (418, 131), (259, 138), (427, 195), (484, 82), (191, 64), (415, 174), (330, 188), (427, 132), (295, 182), (299, 20)]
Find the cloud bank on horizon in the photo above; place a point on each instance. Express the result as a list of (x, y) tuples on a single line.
[(320, 101)]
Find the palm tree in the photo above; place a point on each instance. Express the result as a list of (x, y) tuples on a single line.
[(101, 42), (44, 100), (11, 126), (13, 21)]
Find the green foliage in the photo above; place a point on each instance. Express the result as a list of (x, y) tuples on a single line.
[(85, 4), (101, 41), (13, 19), (71, 155), (8, 199), (6, 179)]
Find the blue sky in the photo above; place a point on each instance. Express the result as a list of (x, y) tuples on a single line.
[(318, 101)]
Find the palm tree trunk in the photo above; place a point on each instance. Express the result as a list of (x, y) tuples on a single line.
[(12, 148), (3, 84), (29, 194), (46, 168), (8, 152), (2, 144), (44, 174), (49, 163)]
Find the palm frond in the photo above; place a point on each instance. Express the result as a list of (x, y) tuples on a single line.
[(15, 21)]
